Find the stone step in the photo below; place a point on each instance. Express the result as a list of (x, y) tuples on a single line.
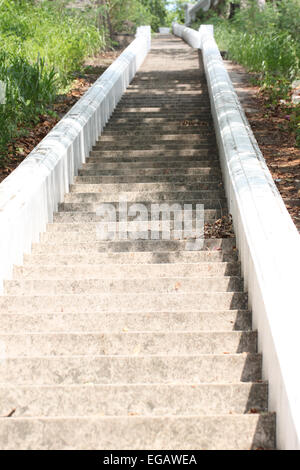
[(87, 189), (172, 162), (166, 116), (157, 128), (162, 104), (70, 216), (147, 168), (158, 131), (89, 200), (163, 146), (133, 400), (158, 246), (112, 246), (120, 232), (194, 102), (62, 370), (173, 223), (133, 105), (141, 258), (120, 322), (192, 86), (243, 432), (196, 123), (126, 344), (196, 96), (204, 182), (165, 111), (171, 90), (199, 176), (160, 139), (156, 152), (134, 285), (181, 107), (153, 302), (87, 211), (75, 213), (91, 271)]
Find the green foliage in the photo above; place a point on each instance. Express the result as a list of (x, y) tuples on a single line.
[(41, 45), (266, 42), (175, 12), (157, 9), (126, 15)]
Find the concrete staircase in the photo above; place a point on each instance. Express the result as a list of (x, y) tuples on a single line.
[(135, 344)]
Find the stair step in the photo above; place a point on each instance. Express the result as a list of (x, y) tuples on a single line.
[(165, 175), (213, 211), (184, 196), (145, 257), (134, 285), (87, 212), (126, 344), (116, 322), (160, 139), (208, 161), (154, 167), (156, 152), (162, 147), (157, 131), (155, 117), (134, 400), (62, 370), (153, 302), (119, 246), (161, 107), (241, 432), (86, 191), (129, 231), (117, 271), (184, 127), (227, 320), (176, 193), (204, 182)]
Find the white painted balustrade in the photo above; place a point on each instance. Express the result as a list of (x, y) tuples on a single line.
[(191, 9), (267, 240), (30, 195)]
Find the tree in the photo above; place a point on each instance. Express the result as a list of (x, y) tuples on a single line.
[(158, 10), (176, 11)]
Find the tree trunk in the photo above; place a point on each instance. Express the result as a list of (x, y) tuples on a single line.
[(102, 16)]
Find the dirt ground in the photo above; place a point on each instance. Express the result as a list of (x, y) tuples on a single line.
[(275, 140)]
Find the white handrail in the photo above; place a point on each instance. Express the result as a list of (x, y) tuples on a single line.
[(192, 9)]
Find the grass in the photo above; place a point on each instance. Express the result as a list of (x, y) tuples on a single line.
[(41, 46), (267, 43)]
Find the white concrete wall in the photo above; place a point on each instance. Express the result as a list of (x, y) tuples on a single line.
[(30, 194), (189, 35), (268, 243), (192, 9)]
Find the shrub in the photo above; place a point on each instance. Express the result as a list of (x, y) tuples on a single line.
[(41, 46)]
